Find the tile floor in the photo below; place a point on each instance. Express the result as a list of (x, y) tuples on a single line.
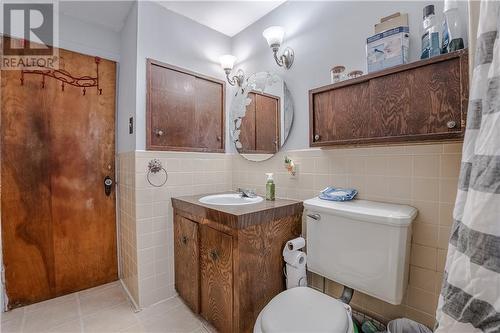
[(104, 309)]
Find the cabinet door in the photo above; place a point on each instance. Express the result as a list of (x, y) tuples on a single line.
[(436, 102), (342, 114), (247, 129), (172, 106), (185, 110), (186, 260), (217, 278), (209, 115), (266, 124)]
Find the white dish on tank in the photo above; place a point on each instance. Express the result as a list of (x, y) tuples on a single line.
[(361, 244)]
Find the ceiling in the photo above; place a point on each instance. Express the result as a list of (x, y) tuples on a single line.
[(227, 17), (110, 14)]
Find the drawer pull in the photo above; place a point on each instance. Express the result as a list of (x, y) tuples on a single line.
[(451, 124), (184, 240), (214, 255), (316, 217)]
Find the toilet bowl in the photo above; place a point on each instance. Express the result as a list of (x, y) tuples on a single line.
[(304, 310)]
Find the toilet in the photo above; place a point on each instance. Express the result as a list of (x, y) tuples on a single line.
[(363, 245)]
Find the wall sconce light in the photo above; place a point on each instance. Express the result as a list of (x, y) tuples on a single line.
[(274, 36), (227, 63)]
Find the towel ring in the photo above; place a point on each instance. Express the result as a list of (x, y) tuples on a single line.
[(154, 166)]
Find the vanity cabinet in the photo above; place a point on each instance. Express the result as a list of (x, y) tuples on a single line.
[(233, 266), (260, 128), (422, 101), (185, 110), (186, 248)]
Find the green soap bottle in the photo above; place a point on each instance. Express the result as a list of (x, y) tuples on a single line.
[(270, 187)]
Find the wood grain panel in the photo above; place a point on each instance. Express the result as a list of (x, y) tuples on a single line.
[(259, 275), (58, 227), (186, 260), (172, 108), (343, 114), (435, 98), (188, 108), (216, 259), (267, 124), (208, 124), (390, 105), (247, 134)]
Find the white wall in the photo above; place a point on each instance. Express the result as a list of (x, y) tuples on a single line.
[(127, 83), (174, 39), (323, 34)]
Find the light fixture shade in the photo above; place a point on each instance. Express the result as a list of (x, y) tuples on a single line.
[(227, 61), (274, 35)]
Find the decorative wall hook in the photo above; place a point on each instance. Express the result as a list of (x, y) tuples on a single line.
[(65, 77)]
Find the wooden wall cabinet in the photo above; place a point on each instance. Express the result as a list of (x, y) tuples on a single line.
[(260, 128), (422, 101), (239, 264), (185, 110)]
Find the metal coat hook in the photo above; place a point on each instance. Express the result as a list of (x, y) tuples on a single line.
[(154, 166)]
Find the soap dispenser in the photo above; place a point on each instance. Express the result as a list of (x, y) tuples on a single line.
[(270, 187)]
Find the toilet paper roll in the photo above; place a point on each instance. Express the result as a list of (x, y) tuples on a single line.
[(295, 277), (295, 258), (294, 245)]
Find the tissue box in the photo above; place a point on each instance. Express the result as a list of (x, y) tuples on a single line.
[(387, 49)]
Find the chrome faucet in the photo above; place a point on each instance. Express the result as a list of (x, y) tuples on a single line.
[(246, 192)]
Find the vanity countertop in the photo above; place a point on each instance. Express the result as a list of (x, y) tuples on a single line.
[(237, 217)]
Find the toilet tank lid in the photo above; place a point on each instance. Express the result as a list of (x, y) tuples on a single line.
[(364, 210)]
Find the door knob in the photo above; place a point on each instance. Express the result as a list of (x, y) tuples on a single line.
[(108, 183), (159, 132), (451, 124)]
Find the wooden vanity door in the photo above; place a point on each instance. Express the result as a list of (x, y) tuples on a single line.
[(217, 278), (186, 261)]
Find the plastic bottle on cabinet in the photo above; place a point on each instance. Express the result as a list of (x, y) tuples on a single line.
[(431, 45), (452, 27)]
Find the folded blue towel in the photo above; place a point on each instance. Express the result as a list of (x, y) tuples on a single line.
[(337, 194)]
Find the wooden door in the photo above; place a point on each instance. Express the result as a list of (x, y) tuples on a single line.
[(267, 124), (58, 225), (186, 259), (247, 129), (216, 260)]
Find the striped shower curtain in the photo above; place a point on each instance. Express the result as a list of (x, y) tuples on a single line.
[(470, 295)]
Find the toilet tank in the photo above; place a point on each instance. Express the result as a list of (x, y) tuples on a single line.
[(361, 244)]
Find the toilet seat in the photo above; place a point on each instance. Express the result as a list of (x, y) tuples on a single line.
[(304, 310)]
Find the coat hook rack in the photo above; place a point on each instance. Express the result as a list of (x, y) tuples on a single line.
[(65, 77)]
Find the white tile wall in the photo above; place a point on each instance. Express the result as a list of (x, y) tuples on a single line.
[(188, 174)]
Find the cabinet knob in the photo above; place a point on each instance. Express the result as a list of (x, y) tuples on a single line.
[(214, 255), (184, 240), (451, 124), (159, 132), (218, 138), (316, 137)]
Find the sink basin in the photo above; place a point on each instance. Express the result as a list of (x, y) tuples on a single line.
[(229, 199)]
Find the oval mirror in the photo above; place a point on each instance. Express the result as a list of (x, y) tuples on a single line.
[(261, 116)]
